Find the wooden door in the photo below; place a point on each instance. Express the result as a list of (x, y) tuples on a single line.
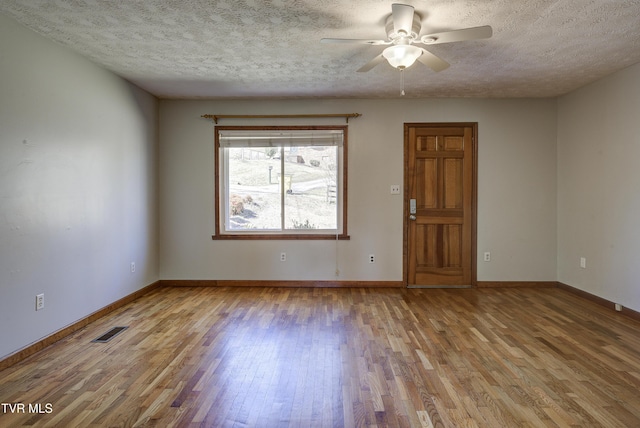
[(440, 176)]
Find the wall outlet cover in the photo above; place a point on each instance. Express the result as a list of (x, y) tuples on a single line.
[(40, 302)]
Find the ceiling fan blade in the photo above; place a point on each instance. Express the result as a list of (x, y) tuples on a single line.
[(432, 61), (368, 66), (402, 18), (474, 33), (360, 41)]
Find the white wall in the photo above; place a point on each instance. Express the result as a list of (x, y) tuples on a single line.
[(599, 188), (517, 190), (78, 187)]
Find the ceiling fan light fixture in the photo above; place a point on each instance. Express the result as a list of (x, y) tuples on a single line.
[(402, 56)]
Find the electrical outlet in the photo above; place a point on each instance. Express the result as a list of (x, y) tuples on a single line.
[(372, 258), (583, 262), (487, 256), (40, 302), (283, 257), (133, 267), (395, 189)]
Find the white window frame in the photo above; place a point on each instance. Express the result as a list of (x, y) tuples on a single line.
[(279, 137)]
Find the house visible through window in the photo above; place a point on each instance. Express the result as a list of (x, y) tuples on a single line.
[(281, 182)]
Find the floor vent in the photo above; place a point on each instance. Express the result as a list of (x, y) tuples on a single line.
[(109, 335)]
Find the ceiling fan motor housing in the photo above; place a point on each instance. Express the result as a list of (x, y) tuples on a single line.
[(402, 38)]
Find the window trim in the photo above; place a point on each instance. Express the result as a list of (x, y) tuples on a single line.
[(218, 235)]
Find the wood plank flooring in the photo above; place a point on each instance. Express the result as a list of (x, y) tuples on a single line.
[(282, 357)]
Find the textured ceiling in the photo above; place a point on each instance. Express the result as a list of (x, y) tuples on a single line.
[(251, 48)]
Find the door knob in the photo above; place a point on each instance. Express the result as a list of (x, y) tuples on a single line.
[(412, 217)]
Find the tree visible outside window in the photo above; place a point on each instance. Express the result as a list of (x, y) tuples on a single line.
[(281, 182)]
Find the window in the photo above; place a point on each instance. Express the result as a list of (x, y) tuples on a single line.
[(281, 182)]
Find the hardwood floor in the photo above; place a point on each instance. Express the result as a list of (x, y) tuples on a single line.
[(272, 357)]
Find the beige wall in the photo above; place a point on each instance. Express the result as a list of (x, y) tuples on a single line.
[(78, 187), (516, 208), (599, 188)]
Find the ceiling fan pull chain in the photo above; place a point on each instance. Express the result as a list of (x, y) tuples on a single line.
[(402, 82)]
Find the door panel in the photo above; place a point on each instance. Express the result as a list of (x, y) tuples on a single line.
[(427, 184), (440, 175), (453, 185)]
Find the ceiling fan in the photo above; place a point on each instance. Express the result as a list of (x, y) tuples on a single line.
[(403, 29)]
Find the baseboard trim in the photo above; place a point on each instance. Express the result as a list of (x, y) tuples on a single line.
[(274, 284), (517, 284), (599, 300), (334, 284), (29, 350)]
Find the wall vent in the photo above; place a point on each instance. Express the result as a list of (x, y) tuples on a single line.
[(109, 335)]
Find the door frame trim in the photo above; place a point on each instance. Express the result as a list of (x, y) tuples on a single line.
[(474, 197)]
